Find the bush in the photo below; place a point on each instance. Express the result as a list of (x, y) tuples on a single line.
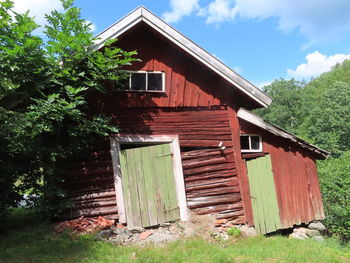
[(234, 232), (335, 186)]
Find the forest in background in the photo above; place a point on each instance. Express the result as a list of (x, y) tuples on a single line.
[(319, 112)]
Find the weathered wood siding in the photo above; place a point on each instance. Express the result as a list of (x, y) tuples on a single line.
[(296, 179), (188, 83), (211, 182), (90, 187)]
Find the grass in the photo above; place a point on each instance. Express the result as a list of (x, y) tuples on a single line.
[(31, 240)]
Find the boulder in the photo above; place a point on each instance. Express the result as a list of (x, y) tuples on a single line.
[(312, 232), (135, 229), (247, 231), (317, 226), (301, 232), (294, 235), (120, 230)]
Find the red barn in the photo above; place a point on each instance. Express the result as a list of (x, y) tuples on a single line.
[(188, 142)]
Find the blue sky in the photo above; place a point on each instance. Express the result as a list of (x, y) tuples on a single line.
[(261, 39)]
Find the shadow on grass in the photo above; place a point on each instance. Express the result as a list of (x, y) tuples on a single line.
[(30, 239)]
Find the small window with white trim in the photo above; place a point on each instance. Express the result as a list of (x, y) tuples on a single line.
[(251, 143), (152, 81)]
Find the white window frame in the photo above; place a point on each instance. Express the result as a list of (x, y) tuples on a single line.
[(250, 144), (147, 72), (117, 140)]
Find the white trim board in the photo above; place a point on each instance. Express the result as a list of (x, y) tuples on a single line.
[(115, 142), (258, 121), (142, 14)]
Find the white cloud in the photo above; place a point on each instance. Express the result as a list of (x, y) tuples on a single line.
[(37, 8), (180, 8), (316, 64), (318, 20)]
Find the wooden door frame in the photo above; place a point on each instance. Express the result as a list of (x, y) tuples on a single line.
[(117, 140)]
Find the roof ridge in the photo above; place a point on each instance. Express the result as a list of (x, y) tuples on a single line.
[(143, 14)]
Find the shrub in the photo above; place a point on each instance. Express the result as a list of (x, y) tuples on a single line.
[(335, 186), (234, 232)]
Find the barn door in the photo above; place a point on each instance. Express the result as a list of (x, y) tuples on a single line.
[(263, 195), (149, 185)]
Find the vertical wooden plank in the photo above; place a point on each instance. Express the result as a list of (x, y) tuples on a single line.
[(126, 188), (275, 207), (118, 186), (241, 167), (148, 168), (173, 208), (140, 158), (134, 195)]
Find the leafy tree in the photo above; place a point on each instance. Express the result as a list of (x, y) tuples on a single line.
[(329, 121), (44, 87), (334, 176), (287, 106)]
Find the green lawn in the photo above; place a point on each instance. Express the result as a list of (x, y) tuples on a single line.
[(31, 240)]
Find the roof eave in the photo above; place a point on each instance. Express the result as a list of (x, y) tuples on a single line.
[(258, 121)]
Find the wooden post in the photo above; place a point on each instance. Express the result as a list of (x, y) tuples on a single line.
[(241, 167)]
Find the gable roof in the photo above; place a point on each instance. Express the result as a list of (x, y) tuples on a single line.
[(141, 14), (259, 122)]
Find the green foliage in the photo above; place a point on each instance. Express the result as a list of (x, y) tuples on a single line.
[(234, 232), (44, 88), (329, 121), (288, 102), (334, 176)]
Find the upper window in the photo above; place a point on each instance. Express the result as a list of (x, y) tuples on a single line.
[(145, 81), (251, 143)]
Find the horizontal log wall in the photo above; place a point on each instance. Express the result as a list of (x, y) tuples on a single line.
[(296, 179), (90, 188), (211, 181)]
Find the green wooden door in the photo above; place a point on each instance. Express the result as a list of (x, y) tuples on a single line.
[(149, 185), (263, 195)]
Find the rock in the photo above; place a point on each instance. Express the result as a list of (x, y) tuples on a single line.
[(158, 238), (145, 235), (247, 231), (120, 230), (312, 232), (317, 226), (301, 232), (103, 234), (119, 239), (135, 229), (294, 235), (318, 238)]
